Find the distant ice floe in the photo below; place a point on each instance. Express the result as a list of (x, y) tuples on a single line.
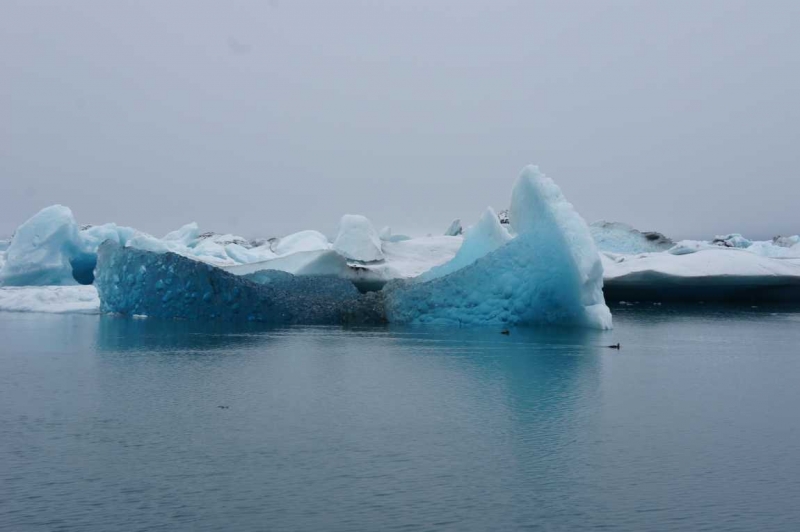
[(622, 238)]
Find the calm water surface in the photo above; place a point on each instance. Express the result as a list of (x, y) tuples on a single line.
[(111, 424)]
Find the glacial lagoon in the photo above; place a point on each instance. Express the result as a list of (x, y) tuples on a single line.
[(110, 423)]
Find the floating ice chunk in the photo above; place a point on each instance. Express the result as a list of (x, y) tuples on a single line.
[(733, 240), (302, 241), (185, 235), (455, 228), (167, 285), (710, 274), (780, 241), (622, 238), (51, 299), (549, 274), (480, 240), (780, 248), (43, 249), (357, 239)]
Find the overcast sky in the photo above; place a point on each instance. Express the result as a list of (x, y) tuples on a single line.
[(261, 118)]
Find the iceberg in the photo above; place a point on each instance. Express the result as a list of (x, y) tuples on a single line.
[(733, 240), (455, 228), (167, 285), (47, 250), (618, 237), (710, 274), (357, 239), (551, 273), (479, 240)]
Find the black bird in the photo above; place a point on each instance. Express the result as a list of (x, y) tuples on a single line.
[(614, 346), (220, 406), (505, 331)]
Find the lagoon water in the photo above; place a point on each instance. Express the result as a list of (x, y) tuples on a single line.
[(115, 424)]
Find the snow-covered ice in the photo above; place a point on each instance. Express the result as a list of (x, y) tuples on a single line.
[(308, 240), (80, 299), (622, 238), (550, 273), (402, 260), (710, 274), (357, 239)]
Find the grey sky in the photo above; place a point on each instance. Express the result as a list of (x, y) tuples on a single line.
[(263, 118)]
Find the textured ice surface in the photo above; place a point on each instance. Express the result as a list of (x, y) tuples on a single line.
[(185, 235), (403, 260), (549, 274), (167, 285), (455, 228), (43, 249), (479, 240), (302, 241), (711, 274), (50, 299), (622, 238), (733, 240), (357, 239)]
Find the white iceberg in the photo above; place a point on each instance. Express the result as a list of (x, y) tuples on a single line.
[(550, 273), (357, 239), (709, 274), (618, 237)]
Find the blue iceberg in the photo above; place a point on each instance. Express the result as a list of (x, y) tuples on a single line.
[(550, 273), (132, 282), (47, 250)]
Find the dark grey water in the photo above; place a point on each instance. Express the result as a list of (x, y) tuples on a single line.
[(109, 424)]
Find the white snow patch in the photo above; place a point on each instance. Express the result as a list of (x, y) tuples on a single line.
[(50, 299)]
